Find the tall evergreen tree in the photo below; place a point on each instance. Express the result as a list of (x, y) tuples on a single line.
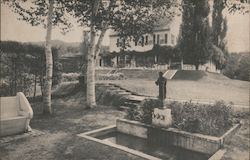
[(195, 32), (219, 30), (217, 21)]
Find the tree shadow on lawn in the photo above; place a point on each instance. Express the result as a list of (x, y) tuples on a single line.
[(60, 146), (60, 140), (74, 119)]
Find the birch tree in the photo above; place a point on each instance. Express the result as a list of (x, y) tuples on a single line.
[(129, 18), (46, 13)]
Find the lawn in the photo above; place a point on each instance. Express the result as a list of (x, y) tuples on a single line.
[(206, 88), (59, 139)]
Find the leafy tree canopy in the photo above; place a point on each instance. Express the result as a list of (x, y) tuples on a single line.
[(130, 18)]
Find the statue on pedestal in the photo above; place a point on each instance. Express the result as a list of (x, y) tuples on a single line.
[(162, 83)]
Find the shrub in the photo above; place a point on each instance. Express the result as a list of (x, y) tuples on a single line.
[(237, 66), (114, 76), (68, 77), (144, 113), (214, 119), (108, 97), (206, 119), (4, 88)]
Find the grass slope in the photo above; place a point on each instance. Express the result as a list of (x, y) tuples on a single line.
[(189, 75), (141, 74), (194, 85)]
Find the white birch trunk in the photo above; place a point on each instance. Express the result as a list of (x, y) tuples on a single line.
[(91, 100), (49, 63), (90, 95)]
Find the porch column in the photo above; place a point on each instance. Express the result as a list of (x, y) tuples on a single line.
[(156, 59), (169, 63), (182, 64), (133, 62), (125, 61)]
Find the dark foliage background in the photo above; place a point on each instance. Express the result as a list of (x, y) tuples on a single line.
[(23, 67)]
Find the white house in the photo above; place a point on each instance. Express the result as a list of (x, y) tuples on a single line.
[(141, 54), (165, 34)]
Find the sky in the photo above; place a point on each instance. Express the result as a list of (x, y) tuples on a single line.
[(238, 36)]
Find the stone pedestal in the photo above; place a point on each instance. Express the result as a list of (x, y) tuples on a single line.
[(162, 117)]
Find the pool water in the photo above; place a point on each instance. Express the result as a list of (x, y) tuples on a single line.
[(165, 152)]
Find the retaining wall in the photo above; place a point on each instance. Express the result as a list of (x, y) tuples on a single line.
[(171, 136)]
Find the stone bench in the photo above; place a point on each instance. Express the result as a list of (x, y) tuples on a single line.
[(15, 115)]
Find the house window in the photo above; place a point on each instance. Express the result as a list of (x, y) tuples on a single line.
[(123, 42), (150, 42), (154, 38), (166, 38), (117, 42), (158, 39), (146, 40), (172, 39), (142, 41)]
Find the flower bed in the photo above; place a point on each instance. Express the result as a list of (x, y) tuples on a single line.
[(213, 119), (196, 142)]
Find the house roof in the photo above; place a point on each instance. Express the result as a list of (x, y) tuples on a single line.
[(161, 25)]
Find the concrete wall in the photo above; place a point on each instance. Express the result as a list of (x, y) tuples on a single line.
[(132, 128), (195, 142), (171, 136)]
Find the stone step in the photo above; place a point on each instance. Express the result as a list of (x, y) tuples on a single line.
[(112, 87), (132, 97), (115, 89), (124, 108), (132, 104), (121, 89), (124, 93), (117, 86), (103, 84), (135, 98)]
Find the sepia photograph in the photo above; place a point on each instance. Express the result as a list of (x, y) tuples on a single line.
[(125, 80)]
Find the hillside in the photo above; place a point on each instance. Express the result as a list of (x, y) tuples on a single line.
[(59, 43), (141, 73), (193, 85), (198, 75)]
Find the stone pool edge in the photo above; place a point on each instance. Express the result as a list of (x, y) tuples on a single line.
[(91, 136), (139, 129), (192, 141)]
